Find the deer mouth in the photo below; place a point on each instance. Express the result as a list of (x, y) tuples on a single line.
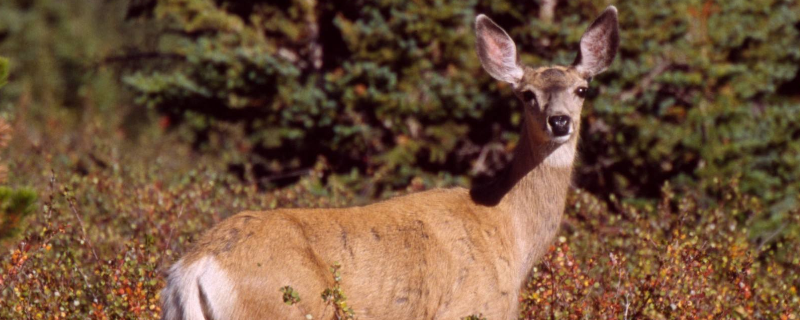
[(561, 139)]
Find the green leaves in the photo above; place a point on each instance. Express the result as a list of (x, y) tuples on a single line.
[(15, 206), (395, 88), (335, 296), (3, 71), (290, 296)]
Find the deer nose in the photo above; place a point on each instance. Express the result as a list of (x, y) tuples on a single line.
[(559, 125)]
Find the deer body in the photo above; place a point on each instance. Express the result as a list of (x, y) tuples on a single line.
[(439, 254)]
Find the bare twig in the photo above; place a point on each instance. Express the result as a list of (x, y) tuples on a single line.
[(169, 235), (49, 212), (554, 289), (769, 237), (483, 163), (646, 82), (72, 206), (289, 174), (546, 10), (138, 56), (312, 26), (627, 305)]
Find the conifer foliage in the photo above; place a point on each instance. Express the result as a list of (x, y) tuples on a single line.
[(393, 88)]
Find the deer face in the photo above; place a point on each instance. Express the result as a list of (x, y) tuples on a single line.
[(552, 96)]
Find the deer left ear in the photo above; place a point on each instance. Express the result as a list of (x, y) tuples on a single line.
[(497, 52), (599, 44)]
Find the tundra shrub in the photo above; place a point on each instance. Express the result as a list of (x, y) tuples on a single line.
[(99, 242), (678, 260), (15, 203)]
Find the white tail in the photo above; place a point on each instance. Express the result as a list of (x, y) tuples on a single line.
[(439, 254)]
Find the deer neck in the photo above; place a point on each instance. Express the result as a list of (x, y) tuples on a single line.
[(531, 192)]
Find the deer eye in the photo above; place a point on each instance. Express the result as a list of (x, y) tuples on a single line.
[(528, 96), (581, 91)]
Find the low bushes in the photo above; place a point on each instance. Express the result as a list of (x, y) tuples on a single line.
[(683, 259), (108, 228)]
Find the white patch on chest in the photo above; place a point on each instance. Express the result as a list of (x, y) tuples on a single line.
[(562, 157)]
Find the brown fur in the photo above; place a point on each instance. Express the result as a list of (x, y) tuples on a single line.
[(439, 254)]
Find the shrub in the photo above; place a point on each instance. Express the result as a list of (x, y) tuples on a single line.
[(3, 71), (15, 204), (57, 49), (679, 260), (304, 81)]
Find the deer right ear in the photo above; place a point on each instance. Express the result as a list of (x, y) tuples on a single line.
[(598, 44), (497, 52)]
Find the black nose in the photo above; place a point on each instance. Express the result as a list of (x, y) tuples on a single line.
[(559, 124)]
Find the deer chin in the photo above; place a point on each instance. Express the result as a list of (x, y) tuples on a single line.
[(561, 139), (563, 154)]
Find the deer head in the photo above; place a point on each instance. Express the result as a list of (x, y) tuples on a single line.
[(553, 95)]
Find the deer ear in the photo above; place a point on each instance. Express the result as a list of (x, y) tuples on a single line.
[(598, 44), (497, 52)]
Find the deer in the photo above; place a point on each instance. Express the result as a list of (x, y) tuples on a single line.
[(444, 253)]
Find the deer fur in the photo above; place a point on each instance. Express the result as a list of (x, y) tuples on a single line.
[(438, 254)]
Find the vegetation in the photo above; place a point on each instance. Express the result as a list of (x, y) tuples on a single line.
[(290, 296), (15, 204), (335, 296), (97, 244), (678, 260), (138, 124)]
